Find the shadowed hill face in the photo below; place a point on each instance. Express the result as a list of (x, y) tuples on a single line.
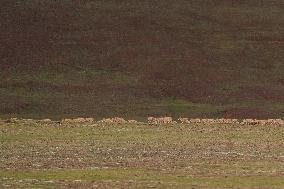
[(105, 58)]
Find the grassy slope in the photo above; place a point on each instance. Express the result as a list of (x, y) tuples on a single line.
[(132, 58), (141, 156)]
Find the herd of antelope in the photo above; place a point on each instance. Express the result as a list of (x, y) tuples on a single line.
[(156, 121)]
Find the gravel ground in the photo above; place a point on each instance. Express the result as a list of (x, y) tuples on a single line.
[(51, 155)]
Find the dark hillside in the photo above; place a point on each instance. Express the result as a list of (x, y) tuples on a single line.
[(209, 58)]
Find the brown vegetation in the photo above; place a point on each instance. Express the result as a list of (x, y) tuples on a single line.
[(77, 54)]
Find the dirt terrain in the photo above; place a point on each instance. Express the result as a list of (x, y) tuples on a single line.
[(99, 155)]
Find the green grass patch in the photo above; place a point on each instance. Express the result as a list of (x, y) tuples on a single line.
[(138, 175)]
